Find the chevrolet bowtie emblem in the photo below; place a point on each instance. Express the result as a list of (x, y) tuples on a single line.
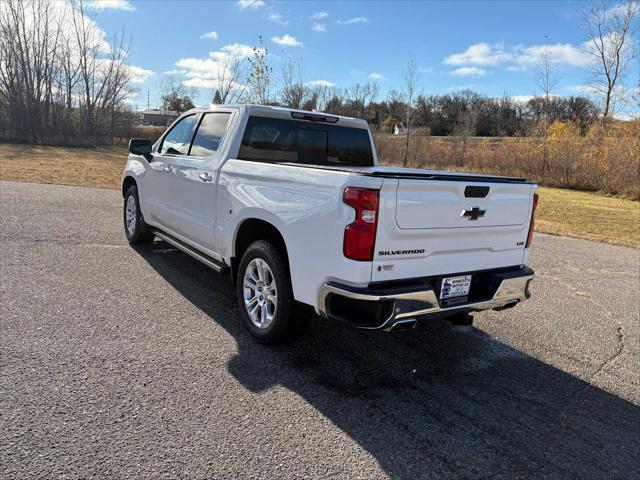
[(473, 213)]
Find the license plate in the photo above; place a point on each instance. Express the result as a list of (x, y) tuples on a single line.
[(455, 287)]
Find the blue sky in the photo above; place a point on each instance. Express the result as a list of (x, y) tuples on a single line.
[(491, 47)]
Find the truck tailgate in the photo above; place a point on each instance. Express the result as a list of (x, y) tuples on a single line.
[(430, 227), (423, 204)]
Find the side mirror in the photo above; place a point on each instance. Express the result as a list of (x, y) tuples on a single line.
[(140, 146)]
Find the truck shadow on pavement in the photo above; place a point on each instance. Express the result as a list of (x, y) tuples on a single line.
[(439, 401)]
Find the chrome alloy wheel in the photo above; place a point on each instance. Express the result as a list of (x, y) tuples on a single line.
[(131, 214), (260, 293)]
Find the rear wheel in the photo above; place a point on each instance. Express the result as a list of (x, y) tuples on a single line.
[(136, 230), (265, 297)]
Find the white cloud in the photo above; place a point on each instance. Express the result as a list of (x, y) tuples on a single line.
[(520, 57), (583, 89), (200, 72), (559, 53), (111, 5), (198, 82), (139, 74), (287, 40), (353, 21), (465, 71), (277, 18), (377, 76), (250, 4), (425, 69), (203, 72), (319, 15), (319, 27), (521, 98), (320, 83), (209, 35), (235, 50), (480, 54), (458, 88)]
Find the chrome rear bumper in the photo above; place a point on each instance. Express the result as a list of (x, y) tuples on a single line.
[(408, 303)]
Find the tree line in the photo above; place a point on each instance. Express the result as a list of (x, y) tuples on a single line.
[(61, 80)]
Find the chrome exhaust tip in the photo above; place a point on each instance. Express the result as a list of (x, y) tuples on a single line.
[(407, 324)]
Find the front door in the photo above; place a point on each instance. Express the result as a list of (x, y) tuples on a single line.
[(159, 195), (189, 176)]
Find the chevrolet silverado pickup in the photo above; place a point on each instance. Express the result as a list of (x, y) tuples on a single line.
[(294, 206)]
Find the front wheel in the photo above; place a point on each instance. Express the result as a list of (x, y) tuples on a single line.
[(136, 230), (265, 297)]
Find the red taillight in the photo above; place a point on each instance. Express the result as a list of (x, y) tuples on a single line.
[(533, 221), (360, 236)]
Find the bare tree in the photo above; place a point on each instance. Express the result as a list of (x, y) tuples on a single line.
[(294, 93), (410, 75), (260, 75), (175, 96), (319, 97), (356, 95), (611, 36), (54, 63), (29, 38), (546, 78), (104, 74), (372, 91), (230, 82)]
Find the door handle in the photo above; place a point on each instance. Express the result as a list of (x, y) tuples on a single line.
[(166, 169), (205, 177)]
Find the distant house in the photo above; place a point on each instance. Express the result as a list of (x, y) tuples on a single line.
[(159, 117), (399, 129)]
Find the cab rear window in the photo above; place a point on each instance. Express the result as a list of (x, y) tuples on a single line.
[(281, 140)]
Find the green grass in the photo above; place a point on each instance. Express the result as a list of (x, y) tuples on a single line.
[(560, 212), (589, 215)]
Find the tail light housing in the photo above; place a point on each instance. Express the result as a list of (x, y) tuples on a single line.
[(360, 236), (533, 220)]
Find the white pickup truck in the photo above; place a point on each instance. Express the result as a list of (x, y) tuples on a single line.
[(295, 207)]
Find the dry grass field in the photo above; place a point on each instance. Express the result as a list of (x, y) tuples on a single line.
[(605, 159), (86, 167), (561, 212)]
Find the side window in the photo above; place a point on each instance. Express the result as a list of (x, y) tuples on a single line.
[(179, 138), (209, 134)]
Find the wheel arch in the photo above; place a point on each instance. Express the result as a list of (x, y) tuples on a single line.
[(127, 182), (250, 230)]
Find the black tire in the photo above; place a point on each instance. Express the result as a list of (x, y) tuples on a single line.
[(140, 233), (288, 320)]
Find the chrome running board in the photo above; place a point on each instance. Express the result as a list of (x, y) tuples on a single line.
[(192, 252)]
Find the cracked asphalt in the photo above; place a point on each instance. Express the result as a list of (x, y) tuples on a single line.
[(124, 363)]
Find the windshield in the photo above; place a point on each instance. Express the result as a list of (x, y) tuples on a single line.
[(283, 140)]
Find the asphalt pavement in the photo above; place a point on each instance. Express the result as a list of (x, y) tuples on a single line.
[(133, 363)]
